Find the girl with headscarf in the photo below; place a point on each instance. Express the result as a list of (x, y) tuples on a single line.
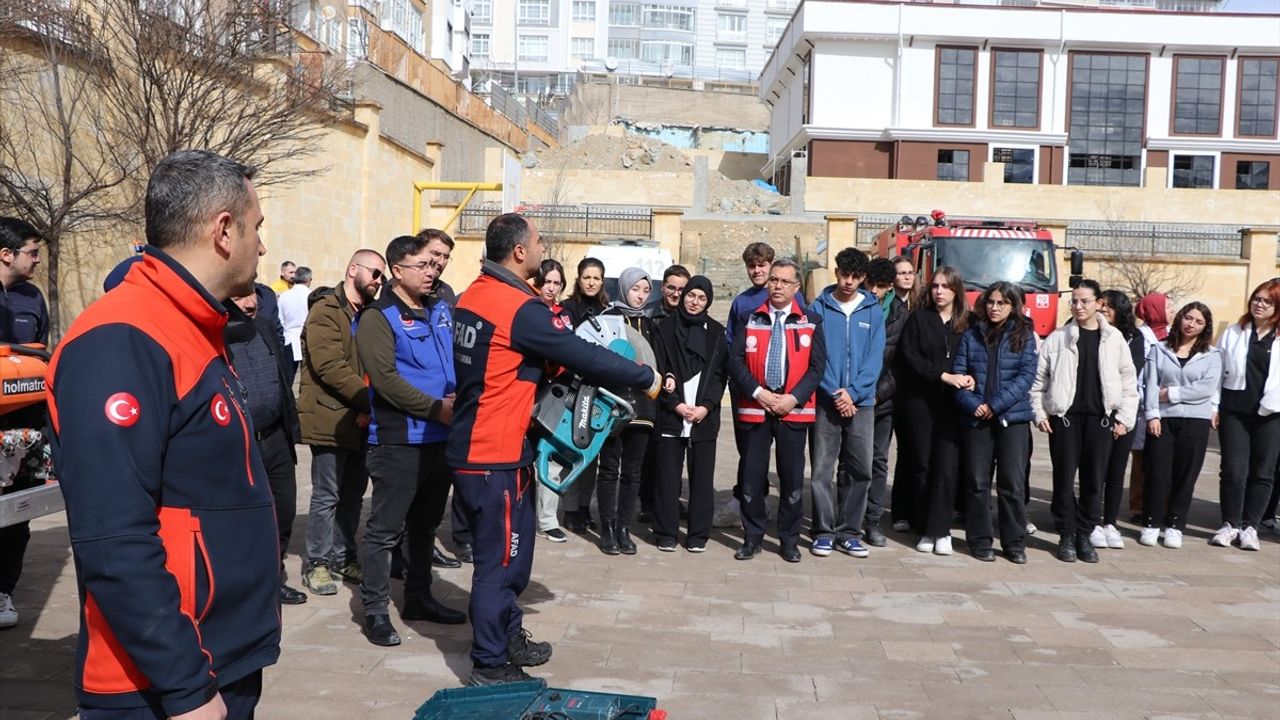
[(691, 352), (1155, 312), (622, 458)]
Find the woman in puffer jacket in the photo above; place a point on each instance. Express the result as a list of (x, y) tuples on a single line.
[(999, 353), (1182, 377)]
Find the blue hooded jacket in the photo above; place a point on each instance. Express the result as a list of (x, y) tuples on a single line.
[(1010, 398), (855, 347)]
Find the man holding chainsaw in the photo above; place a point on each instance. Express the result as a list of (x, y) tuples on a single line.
[(503, 336)]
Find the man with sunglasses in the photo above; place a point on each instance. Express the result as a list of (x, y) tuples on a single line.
[(333, 408), (405, 343)]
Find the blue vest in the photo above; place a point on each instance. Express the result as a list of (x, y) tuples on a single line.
[(424, 358)]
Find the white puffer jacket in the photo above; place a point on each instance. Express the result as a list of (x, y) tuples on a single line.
[(1234, 344), (1055, 386)]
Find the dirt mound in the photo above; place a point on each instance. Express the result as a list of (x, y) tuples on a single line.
[(604, 152)]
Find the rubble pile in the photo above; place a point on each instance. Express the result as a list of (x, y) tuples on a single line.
[(743, 197), (603, 152)]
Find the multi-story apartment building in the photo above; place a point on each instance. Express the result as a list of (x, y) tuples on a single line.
[(1076, 96), (535, 46)]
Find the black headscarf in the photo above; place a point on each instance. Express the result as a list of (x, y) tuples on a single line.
[(693, 346)]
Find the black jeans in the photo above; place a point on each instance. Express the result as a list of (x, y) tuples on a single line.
[(944, 471), (1078, 443), (410, 489), (1113, 483), (1008, 446), (789, 456), (913, 424), (701, 458), (1249, 444), (1173, 459), (618, 485), (882, 435), (277, 456)]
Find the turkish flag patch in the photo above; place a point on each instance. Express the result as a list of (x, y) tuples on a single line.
[(122, 409), (220, 411), (558, 322)]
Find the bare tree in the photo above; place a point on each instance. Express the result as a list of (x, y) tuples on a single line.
[(97, 94), (59, 167), (1134, 262)]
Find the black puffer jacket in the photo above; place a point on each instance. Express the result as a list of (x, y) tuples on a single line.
[(887, 385)]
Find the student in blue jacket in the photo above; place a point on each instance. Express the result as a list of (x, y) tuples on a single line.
[(842, 436), (999, 353)]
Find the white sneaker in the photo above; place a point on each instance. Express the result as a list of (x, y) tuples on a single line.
[(728, 515), (1031, 528), (925, 545), (1172, 538), (1115, 540), (1098, 538), (942, 546), (1225, 536), (1149, 537), (8, 613), (1249, 539), (901, 526)]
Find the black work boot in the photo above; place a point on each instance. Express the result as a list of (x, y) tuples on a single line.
[(426, 607), (380, 631), (609, 537), (625, 543), (1067, 547), (482, 676), (1085, 550), (874, 536), (524, 651)]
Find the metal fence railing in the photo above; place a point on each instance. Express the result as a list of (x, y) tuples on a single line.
[(567, 220), (1155, 239)]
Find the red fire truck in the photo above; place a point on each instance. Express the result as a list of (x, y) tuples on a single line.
[(985, 252)]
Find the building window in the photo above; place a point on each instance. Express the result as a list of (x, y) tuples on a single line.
[(1019, 164), (401, 18), (535, 12), (1253, 175), (675, 53), (581, 48), (533, 48), (955, 86), (732, 58), (1015, 88), (624, 14), (480, 45), (953, 165), (668, 17), (1197, 95), (773, 29), (624, 49), (731, 24), (584, 10), (1107, 104), (1257, 97), (1193, 171), (482, 11)]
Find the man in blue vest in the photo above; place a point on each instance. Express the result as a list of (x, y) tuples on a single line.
[(405, 345), (776, 362)]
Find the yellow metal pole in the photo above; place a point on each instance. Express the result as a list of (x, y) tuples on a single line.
[(471, 188), (458, 210)]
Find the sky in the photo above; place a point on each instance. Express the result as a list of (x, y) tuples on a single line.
[(1253, 6)]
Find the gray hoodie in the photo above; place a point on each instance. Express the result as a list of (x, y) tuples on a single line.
[(1193, 388)]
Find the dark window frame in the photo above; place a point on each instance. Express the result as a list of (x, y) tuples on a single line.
[(937, 85), (1275, 110), (1266, 175), (968, 163), (994, 148), (991, 91), (1173, 95), (1146, 101), (1212, 171)]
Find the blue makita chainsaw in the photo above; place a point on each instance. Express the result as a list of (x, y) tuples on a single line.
[(572, 419)]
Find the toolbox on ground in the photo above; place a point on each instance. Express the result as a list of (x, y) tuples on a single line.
[(533, 700)]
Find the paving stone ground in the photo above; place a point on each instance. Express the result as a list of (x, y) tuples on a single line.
[(1146, 633)]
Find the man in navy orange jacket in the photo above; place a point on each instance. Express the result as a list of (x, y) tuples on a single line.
[(168, 505), (503, 337)]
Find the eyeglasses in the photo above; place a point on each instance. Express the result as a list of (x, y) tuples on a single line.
[(33, 253), (782, 282), (672, 288), (993, 303), (375, 273), (416, 266), (1263, 301)]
